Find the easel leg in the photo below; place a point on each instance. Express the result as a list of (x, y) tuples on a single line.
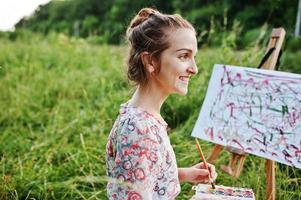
[(240, 164), (270, 180), (216, 150), (232, 160), (230, 168)]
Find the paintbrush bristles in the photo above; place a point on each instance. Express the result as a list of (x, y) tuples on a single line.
[(212, 184)]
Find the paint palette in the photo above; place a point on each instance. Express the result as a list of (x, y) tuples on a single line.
[(205, 192)]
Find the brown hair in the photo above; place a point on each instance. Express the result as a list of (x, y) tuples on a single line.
[(148, 31)]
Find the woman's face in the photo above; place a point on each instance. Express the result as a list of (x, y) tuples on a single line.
[(177, 63)]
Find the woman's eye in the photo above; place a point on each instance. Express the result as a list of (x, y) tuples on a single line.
[(184, 57)]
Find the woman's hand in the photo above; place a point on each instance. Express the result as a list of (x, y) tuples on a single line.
[(197, 173)]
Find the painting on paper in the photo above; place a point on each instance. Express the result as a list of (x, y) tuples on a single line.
[(257, 111)]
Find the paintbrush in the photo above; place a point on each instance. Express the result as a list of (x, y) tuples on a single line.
[(204, 161)]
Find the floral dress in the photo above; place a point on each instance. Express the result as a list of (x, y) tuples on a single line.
[(140, 161)]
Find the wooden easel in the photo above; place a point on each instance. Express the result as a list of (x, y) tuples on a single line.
[(238, 156)]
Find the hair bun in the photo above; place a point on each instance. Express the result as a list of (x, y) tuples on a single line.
[(142, 16)]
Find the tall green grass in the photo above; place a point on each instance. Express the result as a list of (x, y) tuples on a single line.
[(59, 97)]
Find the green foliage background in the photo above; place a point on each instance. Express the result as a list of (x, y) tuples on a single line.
[(62, 79), (106, 21), (59, 98)]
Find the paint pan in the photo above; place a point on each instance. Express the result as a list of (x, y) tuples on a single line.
[(205, 192)]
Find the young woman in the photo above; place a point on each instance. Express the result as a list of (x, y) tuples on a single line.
[(140, 161)]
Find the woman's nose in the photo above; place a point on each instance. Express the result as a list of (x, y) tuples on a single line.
[(193, 69)]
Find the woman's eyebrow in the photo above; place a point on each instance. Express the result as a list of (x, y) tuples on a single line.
[(184, 49)]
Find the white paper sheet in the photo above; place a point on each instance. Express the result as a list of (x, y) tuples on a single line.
[(255, 110)]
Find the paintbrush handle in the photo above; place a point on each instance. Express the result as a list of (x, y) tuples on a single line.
[(201, 154), (204, 162)]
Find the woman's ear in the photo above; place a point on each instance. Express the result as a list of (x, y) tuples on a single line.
[(147, 61)]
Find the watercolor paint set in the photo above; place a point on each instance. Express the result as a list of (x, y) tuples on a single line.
[(205, 192)]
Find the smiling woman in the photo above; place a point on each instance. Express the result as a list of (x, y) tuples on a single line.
[(140, 160), (178, 63)]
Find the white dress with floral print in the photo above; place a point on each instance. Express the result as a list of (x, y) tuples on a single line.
[(139, 158)]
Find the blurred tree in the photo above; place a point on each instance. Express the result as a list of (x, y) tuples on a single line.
[(109, 18), (90, 23), (297, 29)]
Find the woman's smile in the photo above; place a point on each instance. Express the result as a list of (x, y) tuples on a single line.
[(184, 79)]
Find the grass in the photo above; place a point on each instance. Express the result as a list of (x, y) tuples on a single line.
[(59, 98)]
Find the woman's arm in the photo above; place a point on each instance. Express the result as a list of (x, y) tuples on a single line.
[(182, 174)]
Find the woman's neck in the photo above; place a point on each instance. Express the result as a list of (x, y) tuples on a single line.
[(149, 99)]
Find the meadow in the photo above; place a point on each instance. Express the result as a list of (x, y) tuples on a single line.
[(59, 97)]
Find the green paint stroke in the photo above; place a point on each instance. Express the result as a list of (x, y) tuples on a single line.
[(275, 109), (284, 110)]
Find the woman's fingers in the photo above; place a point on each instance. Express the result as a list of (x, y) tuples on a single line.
[(203, 172), (201, 176), (212, 171), (211, 168)]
